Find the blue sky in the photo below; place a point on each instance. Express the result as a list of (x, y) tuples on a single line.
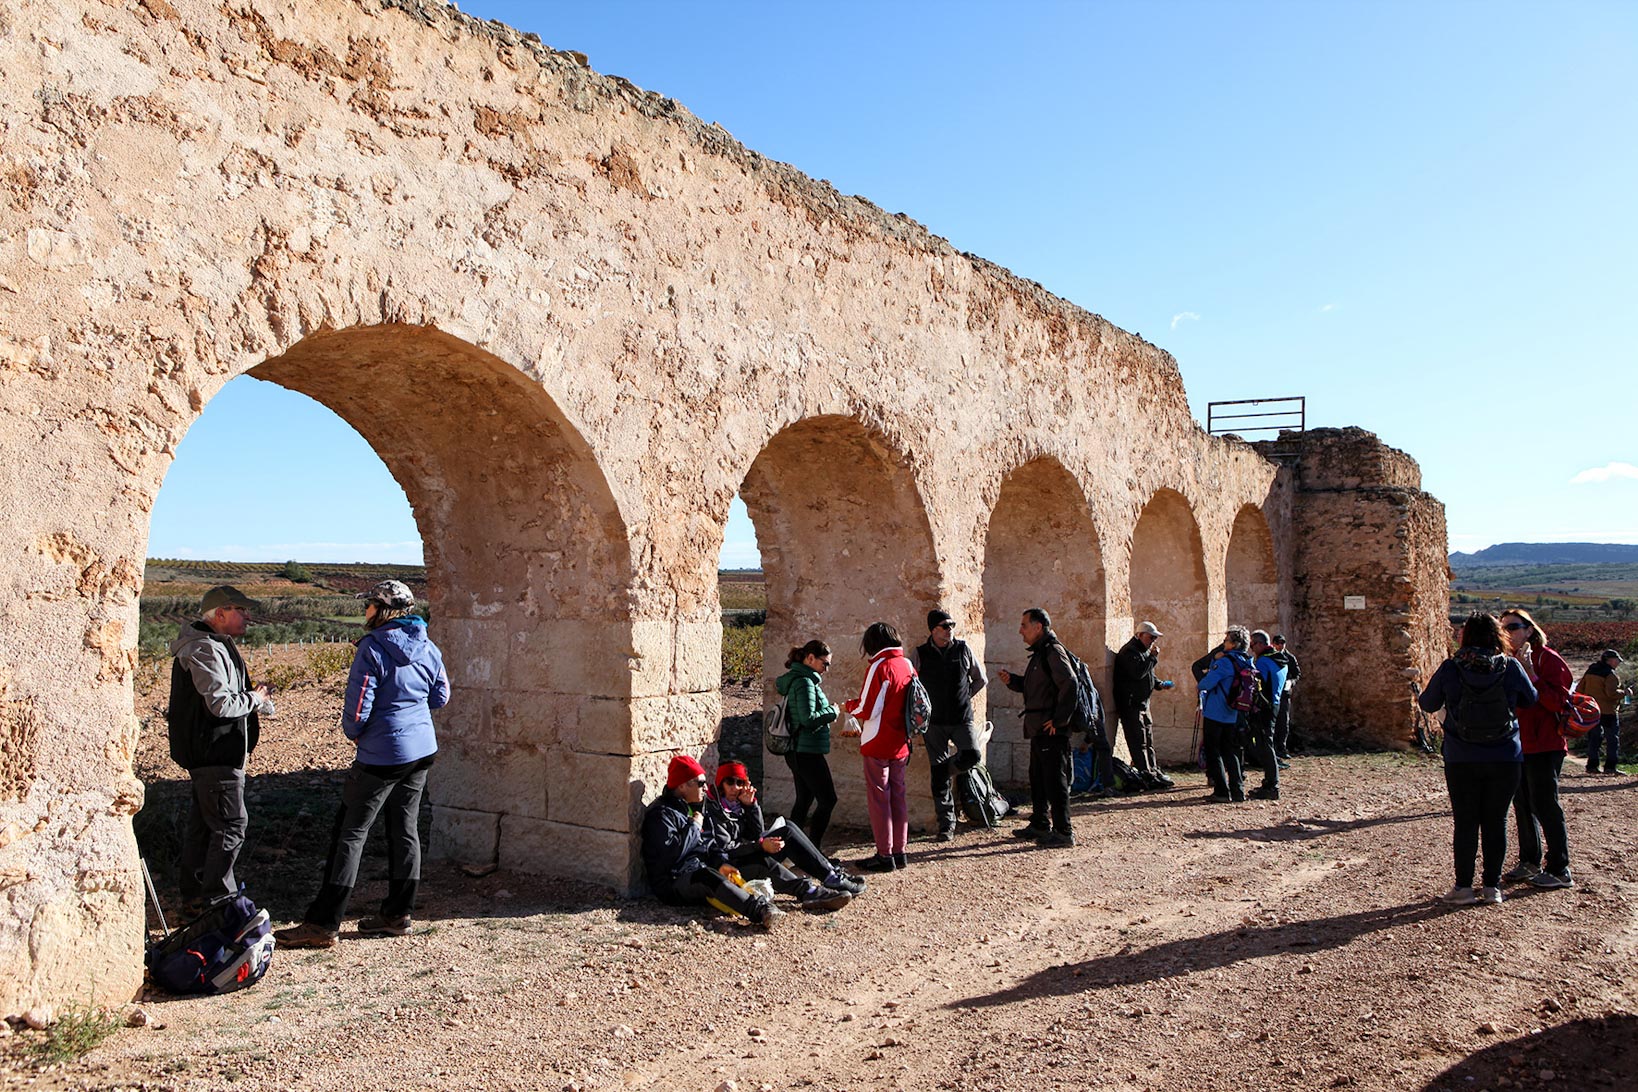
[(1419, 216)]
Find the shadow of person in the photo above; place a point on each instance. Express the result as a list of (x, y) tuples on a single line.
[(1578, 786), (1581, 1054), (1300, 830), (1187, 955)]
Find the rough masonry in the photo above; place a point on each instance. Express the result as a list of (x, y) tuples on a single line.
[(575, 321)]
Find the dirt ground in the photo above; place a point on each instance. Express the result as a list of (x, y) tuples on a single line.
[(1180, 945)]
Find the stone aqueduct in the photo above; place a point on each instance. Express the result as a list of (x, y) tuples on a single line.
[(574, 321)]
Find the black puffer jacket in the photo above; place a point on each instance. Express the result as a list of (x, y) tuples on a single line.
[(1134, 676), (677, 842)]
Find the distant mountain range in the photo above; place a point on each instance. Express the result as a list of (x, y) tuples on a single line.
[(1547, 553)]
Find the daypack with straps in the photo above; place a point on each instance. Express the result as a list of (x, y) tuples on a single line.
[(1243, 689), (918, 709), (1483, 714), (1088, 716), (776, 728)]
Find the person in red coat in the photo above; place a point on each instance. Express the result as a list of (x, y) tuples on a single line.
[(1536, 807), (883, 746)]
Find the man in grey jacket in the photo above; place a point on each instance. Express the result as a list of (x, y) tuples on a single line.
[(213, 721)]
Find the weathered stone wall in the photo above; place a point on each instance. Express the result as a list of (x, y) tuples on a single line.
[(574, 321)]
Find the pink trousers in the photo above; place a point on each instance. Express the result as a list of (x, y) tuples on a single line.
[(889, 810)]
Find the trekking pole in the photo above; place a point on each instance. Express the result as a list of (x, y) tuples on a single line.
[(148, 882)]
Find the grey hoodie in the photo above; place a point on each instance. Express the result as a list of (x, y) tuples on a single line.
[(212, 714)]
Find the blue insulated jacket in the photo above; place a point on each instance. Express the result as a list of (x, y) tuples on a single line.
[(1215, 686), (1273, 676), (397, 680)]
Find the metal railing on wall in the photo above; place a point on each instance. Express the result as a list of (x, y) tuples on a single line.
[(1279, 422)]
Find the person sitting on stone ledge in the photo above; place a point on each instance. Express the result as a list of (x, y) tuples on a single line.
[(686, 858), (767, 852)]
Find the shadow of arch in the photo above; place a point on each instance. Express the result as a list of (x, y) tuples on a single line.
[(1591, 1053), (1252, 575), (845, 541), (1041, 550), (525, 549), (1168, 582)]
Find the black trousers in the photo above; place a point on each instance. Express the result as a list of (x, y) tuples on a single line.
[(707, 884), (950, 751), (1263, 750), (363, 795), (1480, 793), (1282, 725), (1140, 739), (798, 852), (815, 791), (1607, 733), (1050, 771), (1535, 805), (1222, 740)]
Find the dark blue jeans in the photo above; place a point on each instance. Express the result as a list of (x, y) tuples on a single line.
[(1480, 793), (1608, 733)]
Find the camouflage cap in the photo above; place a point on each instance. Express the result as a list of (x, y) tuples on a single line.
[(226, 595), (392, 594)]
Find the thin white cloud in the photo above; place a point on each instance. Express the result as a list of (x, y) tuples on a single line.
[(1327, 307), (1184, 316), (1605, 473)]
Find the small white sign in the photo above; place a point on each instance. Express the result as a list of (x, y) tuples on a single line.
[(1353, 602)]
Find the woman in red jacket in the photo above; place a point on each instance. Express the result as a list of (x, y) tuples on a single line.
[(883, 745), (1536, 804)]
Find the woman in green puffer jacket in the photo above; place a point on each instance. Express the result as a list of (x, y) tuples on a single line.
[(809, 712)]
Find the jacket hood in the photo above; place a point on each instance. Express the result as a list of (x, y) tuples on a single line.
[(190, 633), (1480, 661), (403, 639), (1240, 657), (1600, 668), (797, 671)]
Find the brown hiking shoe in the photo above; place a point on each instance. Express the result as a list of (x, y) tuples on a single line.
[(305, 935), (378, 925)]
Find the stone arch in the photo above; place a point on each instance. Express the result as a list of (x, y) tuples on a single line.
[(845, 541), (526, 552), (1168, 588), (1252, 578), (1041, 550)]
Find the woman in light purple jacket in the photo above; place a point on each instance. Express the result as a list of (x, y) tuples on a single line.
[(397, 679)]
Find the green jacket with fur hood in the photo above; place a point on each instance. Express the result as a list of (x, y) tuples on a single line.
[(808, 708)]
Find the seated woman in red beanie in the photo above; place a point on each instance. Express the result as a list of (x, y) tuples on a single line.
[(686, 857), (764, 852)]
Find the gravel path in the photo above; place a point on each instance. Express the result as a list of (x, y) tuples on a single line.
[(1181, 945)]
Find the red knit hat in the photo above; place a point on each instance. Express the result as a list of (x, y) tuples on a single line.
[(682, 768), (732, 769)]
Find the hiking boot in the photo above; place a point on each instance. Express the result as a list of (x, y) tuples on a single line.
[(1490, 896), (1030, 830), (900, 861), (1238, 797), (945, 834), (1266, 792), (1282, 763), (877, 863), (1218, 798), (818, 899), (841, 881), (305, 935), (1162, 781), (1550, 881), (765, 914), (1521, 873), (1592, 767), (1460, 896), (377, 924), (1056, 839)]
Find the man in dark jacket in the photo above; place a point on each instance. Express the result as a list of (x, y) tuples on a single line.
[(952, 675), (686, 858), (1050, 701), (1134, 684), (1282, 721), (214, 724)]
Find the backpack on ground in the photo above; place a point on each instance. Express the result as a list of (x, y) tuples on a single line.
[(776, 728), (1084, 771), (226, 948), (1127, 779), (918, 709), (980, 799), (1483, 714), (1243, 689)]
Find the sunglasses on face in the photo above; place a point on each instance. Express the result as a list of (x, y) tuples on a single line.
[(732, 782), (946, 625), (1514, 627)]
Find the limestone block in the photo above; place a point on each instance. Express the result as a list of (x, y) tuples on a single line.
[(474, 651), (494, 777), (590, 790), (571, 656), (561, 849), (532, 718), (463, 836), (598, 725), (679, 722)]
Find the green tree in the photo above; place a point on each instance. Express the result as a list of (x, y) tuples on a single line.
[(295, 570)]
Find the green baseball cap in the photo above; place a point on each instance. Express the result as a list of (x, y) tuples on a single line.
[(226, 595)]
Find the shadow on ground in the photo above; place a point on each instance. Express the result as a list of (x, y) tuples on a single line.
[(1187, 955), (1591, 1053), (1299, 830)]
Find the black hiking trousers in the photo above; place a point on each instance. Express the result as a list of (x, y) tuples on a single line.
[(1535, 804), (1051, 768), (1480, 793)]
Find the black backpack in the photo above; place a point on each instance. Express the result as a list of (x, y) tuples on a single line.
[(1088, 715), (226, 948), (980, 799), (1483, 714)]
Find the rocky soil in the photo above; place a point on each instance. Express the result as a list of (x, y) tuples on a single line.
[(1180, 945)]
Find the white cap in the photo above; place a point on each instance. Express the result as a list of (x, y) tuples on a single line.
[(1149, 628)]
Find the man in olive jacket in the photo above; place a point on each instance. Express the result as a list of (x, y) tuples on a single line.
[(213, 726), (1603, 686), (1050, 700)]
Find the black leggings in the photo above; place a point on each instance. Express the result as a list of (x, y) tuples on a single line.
[(1535, 804), (1479, 795), (815, 790)]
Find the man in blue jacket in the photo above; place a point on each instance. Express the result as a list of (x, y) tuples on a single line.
[(1271, 681), (1220, 721)]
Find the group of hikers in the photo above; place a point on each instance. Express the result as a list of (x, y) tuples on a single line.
[(1506, 697), (707, 840)]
